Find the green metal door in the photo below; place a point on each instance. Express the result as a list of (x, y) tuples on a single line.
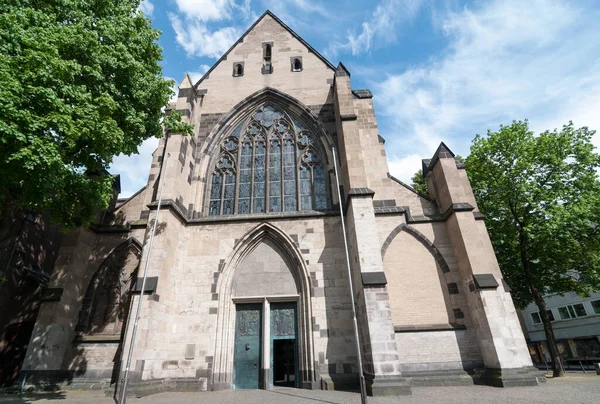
[(247, 350), (284, 345)]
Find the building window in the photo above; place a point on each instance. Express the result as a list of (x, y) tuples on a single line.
[(238, 69), (596, 306), (267, 52), (572, 311), (105, 305), (453, 288), (269, 163), (537, 318), (297, 64)]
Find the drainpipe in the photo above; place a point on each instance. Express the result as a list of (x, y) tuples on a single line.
[(139, 306)]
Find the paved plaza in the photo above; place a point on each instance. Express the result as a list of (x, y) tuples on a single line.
[(574, 389)]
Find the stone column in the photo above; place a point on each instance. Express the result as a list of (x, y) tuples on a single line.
[(501, 339), (266, 359), (381, 363)]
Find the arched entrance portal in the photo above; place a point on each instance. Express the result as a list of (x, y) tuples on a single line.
[(263, 336)]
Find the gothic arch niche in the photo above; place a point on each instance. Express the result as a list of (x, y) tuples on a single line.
[(416, 283), (264, 266), (265, 272), (106, 303), (269, 154)]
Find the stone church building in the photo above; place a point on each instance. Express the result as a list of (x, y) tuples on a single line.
[(248, 284)]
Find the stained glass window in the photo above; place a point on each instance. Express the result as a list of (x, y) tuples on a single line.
[(260, 184), (215, 194), (268, 163), (275, 174), (305, 188), (289, 173), (245, 175)]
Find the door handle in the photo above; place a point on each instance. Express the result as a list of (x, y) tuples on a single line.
[(248, 348)]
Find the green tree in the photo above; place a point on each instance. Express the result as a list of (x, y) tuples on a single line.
[(541, 199), (80, 82), (418, 183)]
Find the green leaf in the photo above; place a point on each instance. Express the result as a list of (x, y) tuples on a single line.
[(80, 82)]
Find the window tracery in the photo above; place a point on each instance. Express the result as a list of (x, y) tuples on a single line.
[(269, 163)]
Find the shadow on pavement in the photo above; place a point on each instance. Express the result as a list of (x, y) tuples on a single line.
[(32, 397)]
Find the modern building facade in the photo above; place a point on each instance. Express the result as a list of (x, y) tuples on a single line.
[(248, 284), (576, 325)]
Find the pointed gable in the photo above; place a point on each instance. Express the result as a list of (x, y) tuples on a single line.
[(186, 83), (442, 152), (268, 54)]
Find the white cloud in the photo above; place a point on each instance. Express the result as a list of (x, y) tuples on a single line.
[(309, 7), (246, 11), (197, 39), (146, 7), (379, 28), (197, 75), (303, 15), (134, 169), (505, 60), (174, 88), (404, 167), (206, 10)]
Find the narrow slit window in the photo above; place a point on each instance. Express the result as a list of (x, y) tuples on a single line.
[(267, 67)]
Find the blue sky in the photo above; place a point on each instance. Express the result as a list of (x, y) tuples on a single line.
[(439, 70)]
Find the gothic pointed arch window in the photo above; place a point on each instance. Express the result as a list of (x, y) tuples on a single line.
[(269, 163), (106, 303)]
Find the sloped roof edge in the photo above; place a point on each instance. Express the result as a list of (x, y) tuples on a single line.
[(125, 200), (240, 39)]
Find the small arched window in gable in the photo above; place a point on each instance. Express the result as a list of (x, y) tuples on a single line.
[(238, 69), (269, 163), (267, 67), (297, 64)]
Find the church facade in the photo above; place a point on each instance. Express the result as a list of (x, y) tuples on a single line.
[(248, 284)]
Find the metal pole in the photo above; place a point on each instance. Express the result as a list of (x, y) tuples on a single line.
[(139, 306), (363, 393)]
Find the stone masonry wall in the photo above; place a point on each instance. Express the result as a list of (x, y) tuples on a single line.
[(310, 86), (184, 312)]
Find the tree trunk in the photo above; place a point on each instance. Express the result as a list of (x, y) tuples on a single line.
[(557, 369)]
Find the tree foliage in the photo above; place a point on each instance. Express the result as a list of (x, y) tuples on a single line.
[(418, 183), (540, 195), (541, 199), (80, 82)]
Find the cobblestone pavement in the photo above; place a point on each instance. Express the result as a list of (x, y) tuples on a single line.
[(574, 389)]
